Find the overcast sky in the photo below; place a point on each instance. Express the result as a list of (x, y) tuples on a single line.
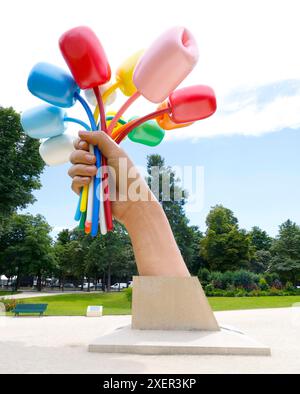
[(249, 53)]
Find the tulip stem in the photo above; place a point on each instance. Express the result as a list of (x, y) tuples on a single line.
[(105, 97), (110, 91), (97, 178), (80, 122), (107, 203), (125, 130), (121, 111)]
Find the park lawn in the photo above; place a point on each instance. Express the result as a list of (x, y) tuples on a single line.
[(76, 304), (117, 303), (242, 303)]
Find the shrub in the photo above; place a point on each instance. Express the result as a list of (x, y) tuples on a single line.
[(9, 305), (271, 278), (230, 293), (240, 293), (289, 287), (204, 276), (128, 294), (264, 293), (263, 284), (222, 280), (255, 293), (217, 280), (209, 289), (277, 284), (228, 280), (246, 280), (275, 292)]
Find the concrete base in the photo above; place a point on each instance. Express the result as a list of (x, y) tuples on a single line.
[(172, 304), (223, 342)]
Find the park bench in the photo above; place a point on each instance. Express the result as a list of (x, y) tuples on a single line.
[(30, 309)]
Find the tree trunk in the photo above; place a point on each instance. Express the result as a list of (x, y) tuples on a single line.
[(16, 285), (103, 282), (39, 282), (109, 277), (89, 289)]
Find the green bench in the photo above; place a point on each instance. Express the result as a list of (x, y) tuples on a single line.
[(30, 309)]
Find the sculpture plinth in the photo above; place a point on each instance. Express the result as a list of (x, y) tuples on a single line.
[(172, 316), (175, 304)]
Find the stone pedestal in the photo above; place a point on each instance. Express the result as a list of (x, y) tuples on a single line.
[(172, 316), (171, 304), (223, 343)]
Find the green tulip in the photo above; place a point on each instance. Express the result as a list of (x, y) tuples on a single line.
[(149, 134)]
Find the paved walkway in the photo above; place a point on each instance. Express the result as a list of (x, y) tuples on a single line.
[(59, 345)]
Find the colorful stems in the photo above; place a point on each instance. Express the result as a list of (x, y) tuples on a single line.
[(90, 201), (122, 110), (80, 122), (105, 97), (125, 130), (107, 203), (97, 179)]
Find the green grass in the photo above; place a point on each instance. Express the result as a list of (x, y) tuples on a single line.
[(76, 304), (117, 303), (240, 303)]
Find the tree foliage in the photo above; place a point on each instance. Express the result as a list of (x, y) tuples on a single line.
[(225, 247), (20, 164), (27, 247), (173, 200), (286, 252), (260, 239)]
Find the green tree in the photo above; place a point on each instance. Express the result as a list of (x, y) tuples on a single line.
[(27, 248), (39, 246), (79, 249), (20, 164), (63, 256), (260, 239), (261, 261), (221, 220), (173, 199), (286, 252), (225, 247), (111, 256)]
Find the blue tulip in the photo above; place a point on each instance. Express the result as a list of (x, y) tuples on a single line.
[(44, 121), (53, 85)]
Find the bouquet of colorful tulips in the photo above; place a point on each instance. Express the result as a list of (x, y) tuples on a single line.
[(154, 74)]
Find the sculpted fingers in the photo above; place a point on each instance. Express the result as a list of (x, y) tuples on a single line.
[(82, 170), (82, 157), (79, 144), (79, 182)]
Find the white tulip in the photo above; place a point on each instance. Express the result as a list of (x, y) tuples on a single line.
[(91, 98), (56, 151)]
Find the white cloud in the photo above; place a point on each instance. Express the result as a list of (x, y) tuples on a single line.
[(245, 115), (241, 42)]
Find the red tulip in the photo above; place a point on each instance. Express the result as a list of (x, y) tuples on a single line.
[(85, 57), (192, 103)]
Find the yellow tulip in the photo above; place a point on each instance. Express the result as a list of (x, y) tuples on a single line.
[(124, 74)]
